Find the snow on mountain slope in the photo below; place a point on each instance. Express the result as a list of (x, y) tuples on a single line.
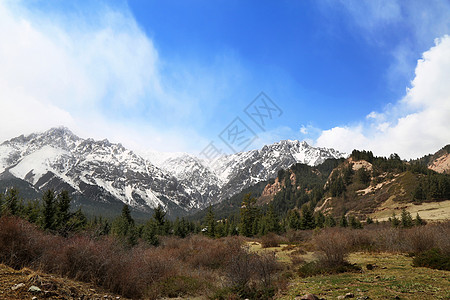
[(232, 173), (84, 163), (102, 170)]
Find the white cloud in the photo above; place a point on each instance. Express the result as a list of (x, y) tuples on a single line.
[(419, 23), (96, 72), (418, 124)]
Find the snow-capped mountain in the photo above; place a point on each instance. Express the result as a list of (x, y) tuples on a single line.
[(234, 172), (59, 159), (103, 172)]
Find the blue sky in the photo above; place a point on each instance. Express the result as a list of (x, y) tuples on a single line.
[(171, 75)]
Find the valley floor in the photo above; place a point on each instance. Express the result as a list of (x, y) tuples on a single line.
[(430, 211), (392, 278)]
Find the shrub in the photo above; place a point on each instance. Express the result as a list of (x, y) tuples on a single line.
[(333, 245), (270, 240), (20, 242), (434, 259)]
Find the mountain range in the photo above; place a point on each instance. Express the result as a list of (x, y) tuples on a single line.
[(100, 172)]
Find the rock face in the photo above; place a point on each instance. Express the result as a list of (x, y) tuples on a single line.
[(441, 164), (104, 172)]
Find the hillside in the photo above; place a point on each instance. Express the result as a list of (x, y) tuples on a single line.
[(439, 161), (362, 186)]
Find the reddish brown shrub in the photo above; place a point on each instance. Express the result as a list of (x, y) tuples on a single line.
[(270, 240), (333, 245), (20, 242)]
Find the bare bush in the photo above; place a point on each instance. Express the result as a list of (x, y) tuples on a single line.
[(19, 242), (270, 240), (333, 245), (265, 266)]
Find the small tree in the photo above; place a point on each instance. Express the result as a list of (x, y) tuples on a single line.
[(248, 214), (394, 220), (62, 212), (159, 217), (343, 221), (330, 221), (123, 227), (419, 221), (48, 210), (320, 220), (11, 203), (355, 223), (210, 223), (307, 219), (406, 219), (293, 219)]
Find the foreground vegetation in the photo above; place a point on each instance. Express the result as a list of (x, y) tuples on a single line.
[(234, 268)]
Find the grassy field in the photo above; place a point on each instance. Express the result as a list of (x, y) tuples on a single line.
[(392, 277), (433, 211)]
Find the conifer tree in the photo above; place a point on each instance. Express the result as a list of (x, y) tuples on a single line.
[(307, 219), (330, 221), (343, 221), (62, 211), (320, 220), (354, 222), (159, 217), (394, 220), (248, 213), (124, 227), (419, 221), (406, 219), (272, 221), (210, 223), (48, 210), (293, 219), (1, 203), (149, 233), (11, 202)]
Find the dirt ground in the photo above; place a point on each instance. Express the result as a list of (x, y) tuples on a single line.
[(16, 285)]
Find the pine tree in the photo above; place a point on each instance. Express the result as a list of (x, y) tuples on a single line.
[(394, 220), (77, 221), (354, 222), (210, 223), (343, 221), (159, 216), (62, 212), (11, 202), (363, 176), (1, 203), (307, 219), (406, 219), (293, 219), (124, 227), (419, 194), (320, 220), (330, 221), (418, 221), (272, 220), (369, 220), (32, 210), (149, 233), (248, 213), (48, 210)]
